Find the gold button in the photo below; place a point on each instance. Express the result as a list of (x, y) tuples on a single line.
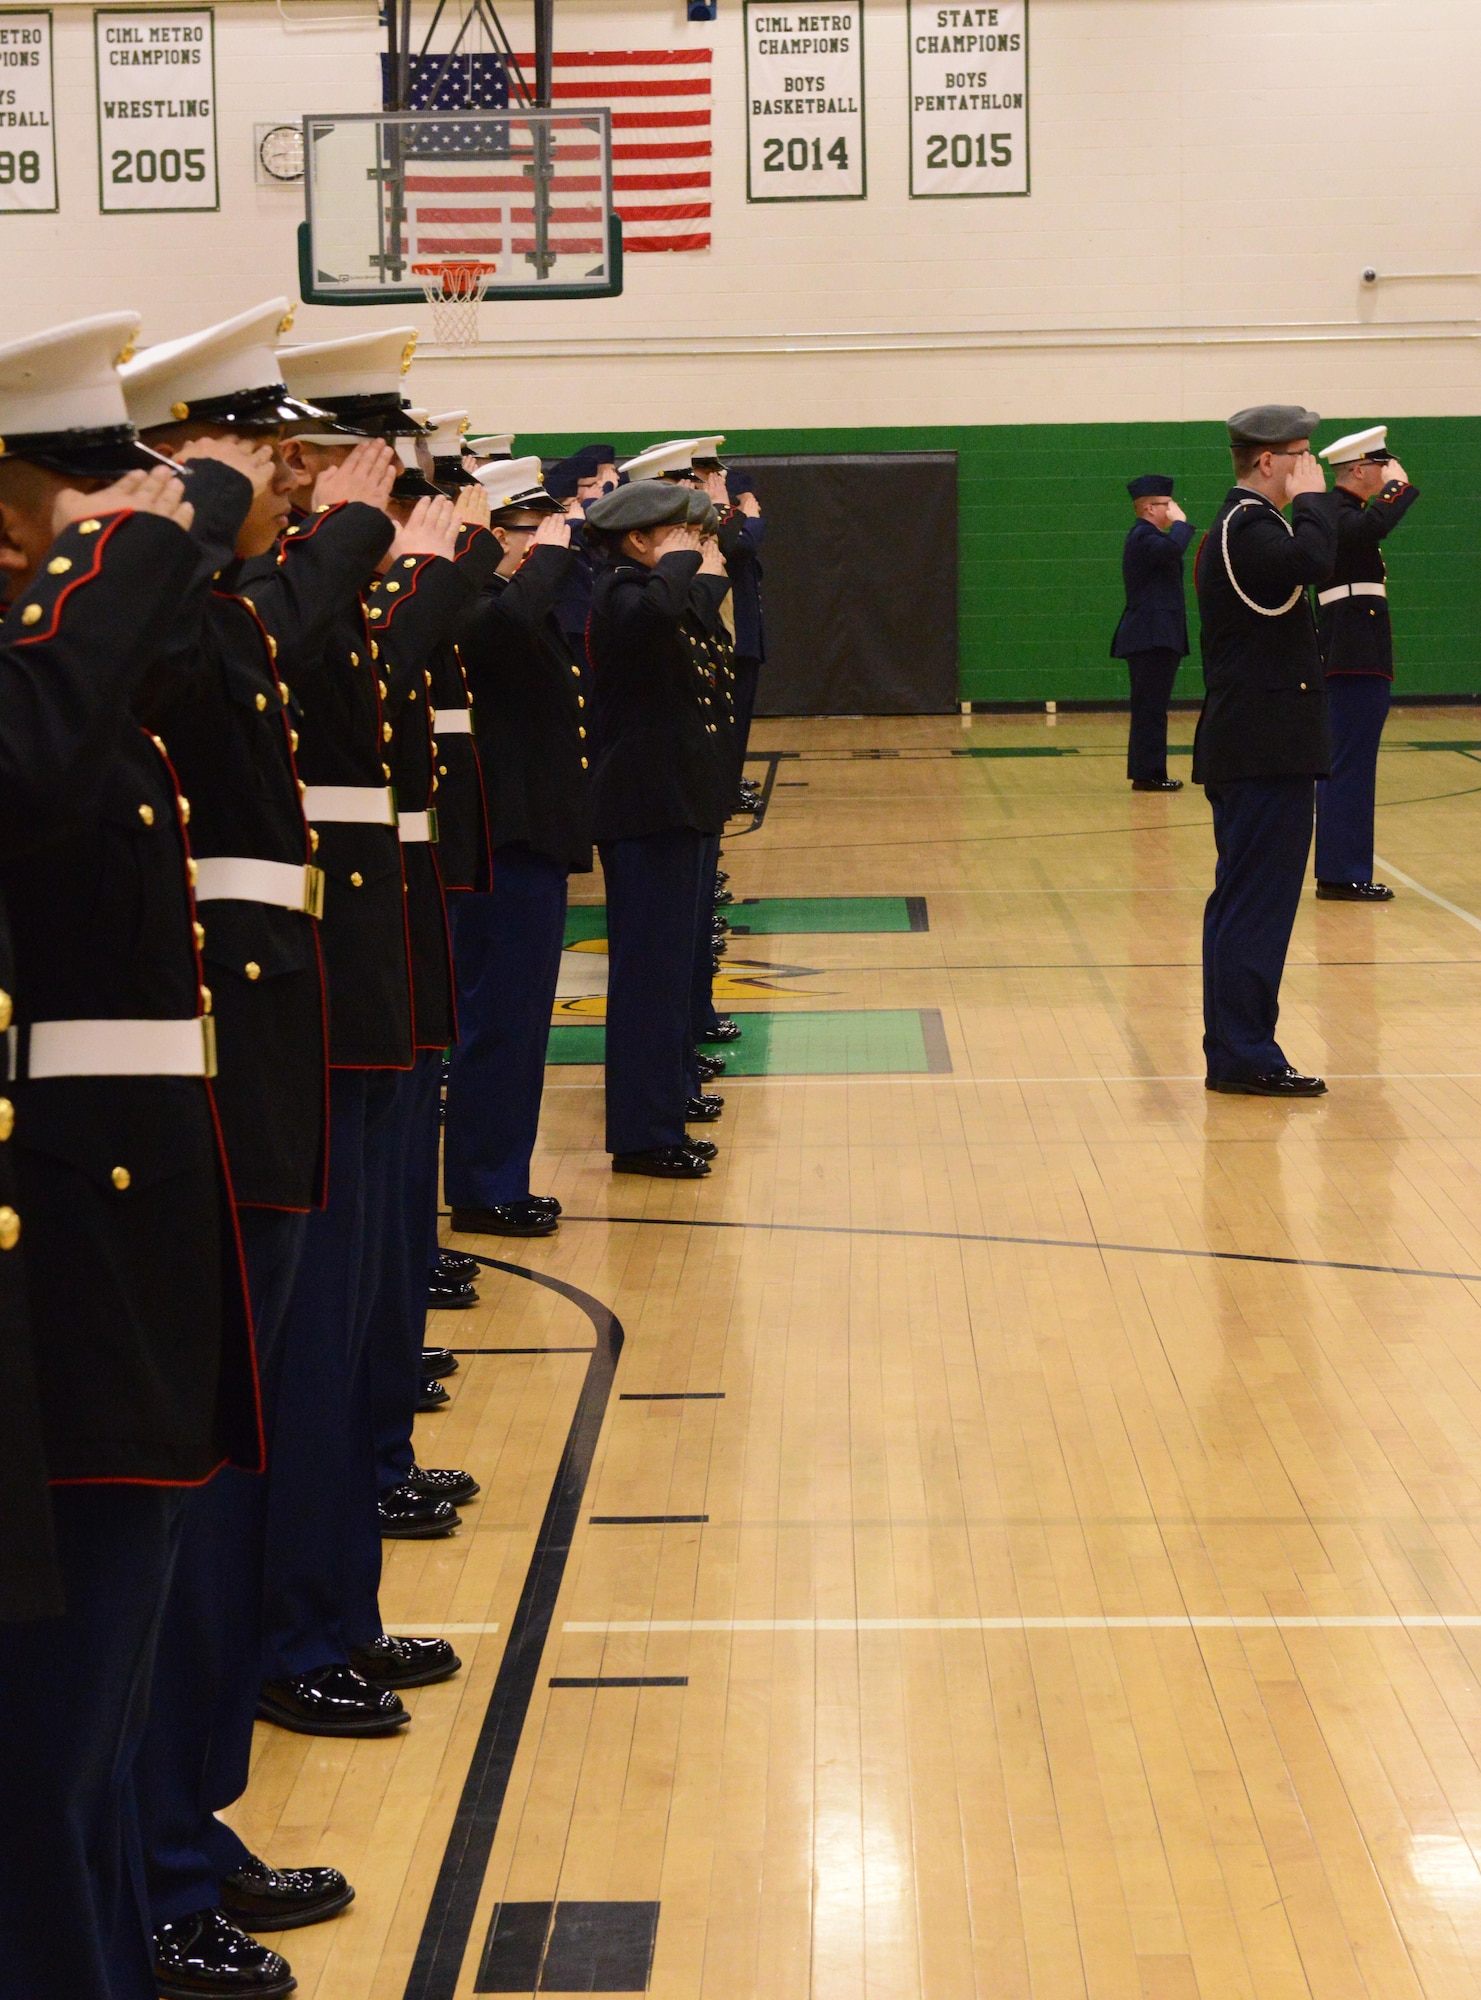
[(10, 1228), (205, 999), (59, 565), (393, 586), (88, 527), (5, 1010), (200, 933), (411, 694), (252, 969), (386, 770), (184, 810), (121, 1178), (31, 615), (283, 691), (581, 701), (191, 871), (375, 612), (386, 732), (313, 840), (442, 768), (411, 562), (427, 677), (577, 672), (261, 703), (581, 733), (146, 813), (7, 1119), (354, 659), (357, 880), (293, 739), (375, 651), (383, 688), (302, 788), (583, 763), (159, 744), (1303, 687)]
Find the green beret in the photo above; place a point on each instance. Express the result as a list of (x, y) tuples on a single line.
[(1272, 424), (646, 503)]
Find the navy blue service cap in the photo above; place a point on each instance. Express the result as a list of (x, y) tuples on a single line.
[(1151, 486), (1272, 424), (561, 477), (645, 503)]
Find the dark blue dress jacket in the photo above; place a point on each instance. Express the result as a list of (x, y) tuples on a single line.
[(1152, 569)]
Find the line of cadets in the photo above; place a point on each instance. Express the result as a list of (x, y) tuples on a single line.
[(263, 861)]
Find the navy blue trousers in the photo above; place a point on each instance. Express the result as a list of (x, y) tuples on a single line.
[(507, 953), (197, 1748), (322, 1526), (74, 1694), (1357, 707), (1152, 676), (1262, 830), (652, 894), (398, 1314), (747, 675), (702, 1018)]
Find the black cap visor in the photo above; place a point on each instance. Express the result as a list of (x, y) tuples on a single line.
[(372, 416), (413, 485), (106, 453), (452, 472)]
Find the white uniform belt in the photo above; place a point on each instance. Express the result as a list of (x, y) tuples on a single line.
[(1351, 590), (417, 826), (117, 1048), (237, 878), (452, 722), (367, 805)]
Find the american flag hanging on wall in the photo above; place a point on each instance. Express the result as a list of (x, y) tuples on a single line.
[(660, 103)]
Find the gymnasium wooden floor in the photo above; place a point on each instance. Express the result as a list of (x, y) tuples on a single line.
[(1070, 1583)]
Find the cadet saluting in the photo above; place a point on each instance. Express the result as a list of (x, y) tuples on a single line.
[(1261, 741), (1152, 636), (1357, 642)]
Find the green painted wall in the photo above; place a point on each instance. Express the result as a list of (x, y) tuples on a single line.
[(1044, 512)]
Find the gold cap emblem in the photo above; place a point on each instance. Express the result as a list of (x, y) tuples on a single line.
[(407, 352), (285, 324), (179, 411)]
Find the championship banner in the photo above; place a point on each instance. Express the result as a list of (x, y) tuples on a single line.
[(968, 99), (804, 103), (156, 109), (28, 147)]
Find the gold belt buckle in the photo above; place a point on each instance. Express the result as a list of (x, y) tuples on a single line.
[(313, 891)]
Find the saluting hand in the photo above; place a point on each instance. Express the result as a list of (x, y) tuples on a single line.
[(1175, 512), (253, 461), (749, 504), (716, 489), (431, 529), (1394, 471), (158, 491), (712, 563), (472, 506), (366, 474), (554, 529), (1307, 475), (674, 539)]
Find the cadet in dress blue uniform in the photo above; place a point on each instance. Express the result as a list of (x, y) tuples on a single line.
[(137, 1297), (533, 723), (663, 786), (576, 481), (1261, 741), (742, 532), (1357, 642), (215, 400), (1152, 636)]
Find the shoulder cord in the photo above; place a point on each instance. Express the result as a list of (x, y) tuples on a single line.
[(1263, 609)]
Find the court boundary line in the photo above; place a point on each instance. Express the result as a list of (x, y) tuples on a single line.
[(453, 1906)]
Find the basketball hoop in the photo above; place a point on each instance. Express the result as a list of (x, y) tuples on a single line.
[(455, 292)]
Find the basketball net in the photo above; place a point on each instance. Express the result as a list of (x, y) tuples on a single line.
[(455, 292)]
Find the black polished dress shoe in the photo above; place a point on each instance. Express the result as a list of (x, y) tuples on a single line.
[(1156, 784), (204, 1954), (336, 1701), (1354, 892), (546, 1201), (454, 1268), (722, 876), (259, 1898), (726, 1030), (702, 1149), (444, 1295), (704, 1109), (431, 1396), (719, 924), (709, 1066), (1285, 1082), (444, 1482), (723, 896), (506, 1218), (408, 1514), (439, 1361), (405, 1663), (662, 1163)]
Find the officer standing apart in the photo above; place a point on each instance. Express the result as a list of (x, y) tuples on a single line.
[(1373, 495), (1152, 636), (1261, 741)]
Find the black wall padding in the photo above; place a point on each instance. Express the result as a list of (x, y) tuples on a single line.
[(860, 587)]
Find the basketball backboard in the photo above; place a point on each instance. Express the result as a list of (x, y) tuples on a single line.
[(395, 197)]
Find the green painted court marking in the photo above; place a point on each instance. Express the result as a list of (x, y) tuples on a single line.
[(1044, 750), (895, 1041), (782, 916)]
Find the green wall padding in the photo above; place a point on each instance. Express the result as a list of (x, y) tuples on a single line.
[(1043, 514)]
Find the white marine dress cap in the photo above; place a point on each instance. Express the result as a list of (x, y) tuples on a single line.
[(658, 459), (225, 374), (515, 482), (1371, 443), (62, 402), (357, 380)]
